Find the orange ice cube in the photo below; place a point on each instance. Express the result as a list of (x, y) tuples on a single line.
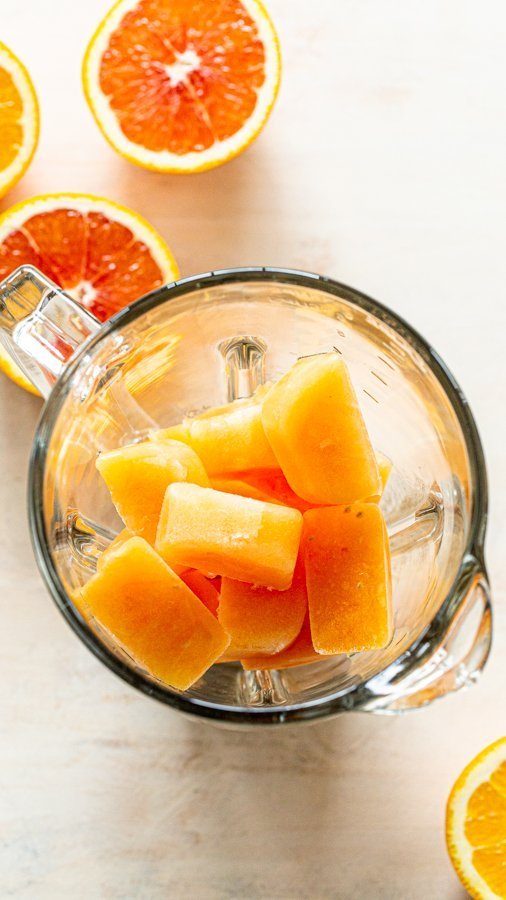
[(269, 485), (260, 620), (231, 437), (229, 535), (299, 653), (115, 544), (313, 422), (347, 562), (203, 588), (154, 615), (177, 432), (137, 477)]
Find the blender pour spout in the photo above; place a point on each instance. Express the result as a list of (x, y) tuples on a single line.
[(41, 326)]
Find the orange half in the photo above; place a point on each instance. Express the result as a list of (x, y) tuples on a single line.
[(476, 824), (182, 86), (19, 119), (102, 254)]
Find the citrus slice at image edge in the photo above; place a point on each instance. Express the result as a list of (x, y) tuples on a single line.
[(182, 87), (19, 119), (102, 254), (476, 824)]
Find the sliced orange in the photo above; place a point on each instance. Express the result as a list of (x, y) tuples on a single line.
[(476, 824), (182, 86), (102, 254), (19, 119)]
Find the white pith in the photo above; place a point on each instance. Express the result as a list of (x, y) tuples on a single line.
[(29, 118), (164, 159), (84, 293), (186, 63)]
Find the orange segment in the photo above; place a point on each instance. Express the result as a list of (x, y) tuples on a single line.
[(154, 615), (19, 119), (476, 824), (490, 863), (62, 259), (346, 557), (11, 111), (486, 815), (182, 86)]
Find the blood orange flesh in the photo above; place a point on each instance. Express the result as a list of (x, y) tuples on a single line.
[(103, 255), (182, 86)]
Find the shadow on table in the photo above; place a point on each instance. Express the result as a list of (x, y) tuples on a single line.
[(19, 412), (282, 813), (330, 811), (212, 219)]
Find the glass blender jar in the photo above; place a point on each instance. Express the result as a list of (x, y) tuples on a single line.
[(212, 338)]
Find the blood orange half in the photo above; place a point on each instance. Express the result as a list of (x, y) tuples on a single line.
[(182, 86), (102, 254)]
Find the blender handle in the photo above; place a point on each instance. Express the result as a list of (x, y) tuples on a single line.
[(41, 326), (450, 655)]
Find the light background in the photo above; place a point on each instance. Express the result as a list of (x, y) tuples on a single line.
[(382, 165)]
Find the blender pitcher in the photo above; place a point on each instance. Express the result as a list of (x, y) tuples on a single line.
[(212, 338)]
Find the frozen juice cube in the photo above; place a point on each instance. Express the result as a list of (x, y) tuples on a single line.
[(115, 544), (347, 561), (300, 653), (232, 438), (269, 485), (228, 535), (227, 438), (137, 477), (230, 484), (154, 615), (203, 588), (261, 620), (177, 432), (118, 542), (313, 422)]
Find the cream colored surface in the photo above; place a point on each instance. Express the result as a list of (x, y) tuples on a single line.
[(382, 165)]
